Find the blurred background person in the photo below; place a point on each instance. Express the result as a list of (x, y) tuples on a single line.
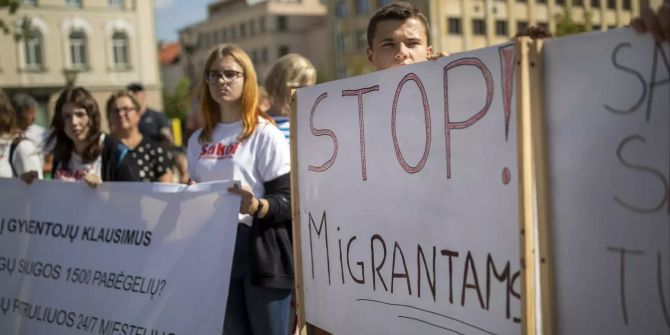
[(153, 124), (81, 151), (19, 157), (239, 142), (263, 99), (25, 107), (146, 158), (289, 72)]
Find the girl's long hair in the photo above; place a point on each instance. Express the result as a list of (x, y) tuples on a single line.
[(64, 146), (209, 108)]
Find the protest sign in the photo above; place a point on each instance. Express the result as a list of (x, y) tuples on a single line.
[(408, 198), (124, 258), (607, 107)]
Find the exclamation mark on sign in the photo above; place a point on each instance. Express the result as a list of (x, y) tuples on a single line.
[(506, 54)]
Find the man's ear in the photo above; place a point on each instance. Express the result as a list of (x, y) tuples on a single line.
[(370, 54), (429, 51)]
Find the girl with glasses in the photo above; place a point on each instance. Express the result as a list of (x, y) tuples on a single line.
[(240, 142)]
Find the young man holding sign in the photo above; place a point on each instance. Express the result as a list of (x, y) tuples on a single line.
[(398, 34)]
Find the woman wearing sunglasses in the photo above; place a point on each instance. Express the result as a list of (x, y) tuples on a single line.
[(240, 142)]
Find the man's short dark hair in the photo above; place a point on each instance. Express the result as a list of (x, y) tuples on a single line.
[(396, 11), (135, 87), (23, 102)]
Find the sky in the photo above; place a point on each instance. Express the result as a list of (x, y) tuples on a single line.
[(172, 15)]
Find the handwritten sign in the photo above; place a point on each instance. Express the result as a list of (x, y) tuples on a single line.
[(125, 258), (608, 114), (409, 199)]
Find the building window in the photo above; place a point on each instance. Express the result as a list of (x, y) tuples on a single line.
[(77, 49), (341, 43), (233, 33), (115, 4), (521, 26), (29, 2), (243, 30), (501, 28), (543, 25), (283, 50), (521, 0), (252, 27), (455, 26), (264, 55), (611, 4), (595, 3), (73, 3), (120, 49), (541, 1), (341, 9), (596, 27), (479, 27), (33, 50), (224, 35), (261, 24), (560, 2), (254, 56), (578, 3), (362, 39), (282, 23), (626, 5), (362, 6), (384, 2)]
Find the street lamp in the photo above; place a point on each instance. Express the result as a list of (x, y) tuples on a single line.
[(70, 77)]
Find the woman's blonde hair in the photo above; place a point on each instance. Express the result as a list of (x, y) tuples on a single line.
[(288, 72), (209, 108)]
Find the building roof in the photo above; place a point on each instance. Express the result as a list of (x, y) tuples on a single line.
[(169, 53)]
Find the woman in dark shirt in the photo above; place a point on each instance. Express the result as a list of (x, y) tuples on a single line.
[(148, 160)]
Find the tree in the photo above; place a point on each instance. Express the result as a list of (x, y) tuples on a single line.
[(25, 28), (177, 104), (566, 25)]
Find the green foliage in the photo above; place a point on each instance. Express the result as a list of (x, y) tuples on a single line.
[(177, 105), (566, 25), (25, 27)]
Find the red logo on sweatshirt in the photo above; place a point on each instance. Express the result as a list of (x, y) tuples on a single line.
[(218, 151)]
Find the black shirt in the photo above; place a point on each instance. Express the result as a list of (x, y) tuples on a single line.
[(149, 161)]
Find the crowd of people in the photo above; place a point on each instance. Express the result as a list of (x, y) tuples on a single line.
[(242, 135)]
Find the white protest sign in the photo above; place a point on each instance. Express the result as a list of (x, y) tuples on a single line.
[(607, 101), (125, 258), (408, 192)]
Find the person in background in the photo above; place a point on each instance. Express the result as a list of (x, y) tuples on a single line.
[(19, 157), (81, 151), (153, 124), (26, 109), (263, 99), (239, 142), (657, 23), (289, 72), (147, 159)]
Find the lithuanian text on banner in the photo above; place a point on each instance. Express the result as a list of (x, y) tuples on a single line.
[(125, 258)]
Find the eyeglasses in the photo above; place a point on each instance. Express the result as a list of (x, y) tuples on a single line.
[(226, 76), (125, 110)]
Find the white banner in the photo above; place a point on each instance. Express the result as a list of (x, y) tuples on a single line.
[(125, 258), (608, 114), (409, 199)]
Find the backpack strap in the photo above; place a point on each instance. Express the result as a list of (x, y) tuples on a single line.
[(12, 150)]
